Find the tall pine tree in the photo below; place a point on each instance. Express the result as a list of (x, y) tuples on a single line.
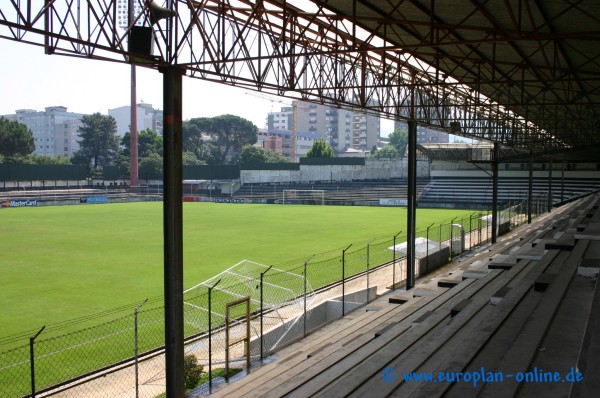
[(98, 139)]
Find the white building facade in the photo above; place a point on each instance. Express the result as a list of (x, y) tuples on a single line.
[(147, 118), (54, 129)]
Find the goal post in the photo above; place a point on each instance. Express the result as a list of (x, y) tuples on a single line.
[(303, 196)]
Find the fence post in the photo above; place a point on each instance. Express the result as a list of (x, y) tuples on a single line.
[(471, 232), (135, 346), (488, 228), (210, 336), (394, 263), (344, 280), (305, 276), (368, 252), (261, 312), (32, 360)]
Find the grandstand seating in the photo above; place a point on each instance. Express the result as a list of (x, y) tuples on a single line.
[(63, 195), (473, 191), (464, 192), (338, 193), (534, 314)]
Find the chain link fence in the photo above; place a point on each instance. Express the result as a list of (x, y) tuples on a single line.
[(120, 353)]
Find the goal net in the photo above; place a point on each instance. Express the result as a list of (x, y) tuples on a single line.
[(303, 196)]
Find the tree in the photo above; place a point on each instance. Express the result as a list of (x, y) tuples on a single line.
[(388, 151), (228, 134), (320, 149), (399, 140), (253, 154), (99, 142), (149, 142), (193, 140), (121, 160), (232, 133), (189, 159), (42, 159), (15, 139), (151, 167)]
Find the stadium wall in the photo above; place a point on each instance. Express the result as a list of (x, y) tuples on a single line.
[(372, 169)]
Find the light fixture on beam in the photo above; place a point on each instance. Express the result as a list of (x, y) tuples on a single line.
[(157, 12)]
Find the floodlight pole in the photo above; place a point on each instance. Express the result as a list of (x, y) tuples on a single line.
[(261, 311), (135, 346), (305, 287), (344, 280), (210, 336)]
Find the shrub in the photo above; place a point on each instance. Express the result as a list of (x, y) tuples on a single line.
[(192, 371)]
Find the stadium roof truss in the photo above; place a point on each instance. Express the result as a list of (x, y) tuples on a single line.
[(522, 73)]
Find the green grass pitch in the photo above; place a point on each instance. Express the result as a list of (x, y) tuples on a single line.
[(60, 263)]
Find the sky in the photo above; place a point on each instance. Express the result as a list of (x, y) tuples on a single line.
[(30, 79)]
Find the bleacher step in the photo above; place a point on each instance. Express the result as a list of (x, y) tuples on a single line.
[(422, 318), (385, 329), (502, 261), (400, 299), (459, 307), (589, 267), (543, 281), (447, 282), (473, 274), (425, 291), (530, 252), (565, 242), (499, 295)]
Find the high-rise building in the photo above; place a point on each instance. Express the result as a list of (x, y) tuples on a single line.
[(280, 141), (147, 118), (425, 135), (342, 128), (54, 129), (281, 120)]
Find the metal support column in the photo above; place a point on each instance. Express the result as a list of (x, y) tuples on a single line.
[(412, 203), (173, 231), (562, 181), (495, 156), (530, 190), (133, 138), (550, 186)]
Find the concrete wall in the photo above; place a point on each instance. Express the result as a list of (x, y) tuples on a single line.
[(435, 260), (317, 317), (374, 169)]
